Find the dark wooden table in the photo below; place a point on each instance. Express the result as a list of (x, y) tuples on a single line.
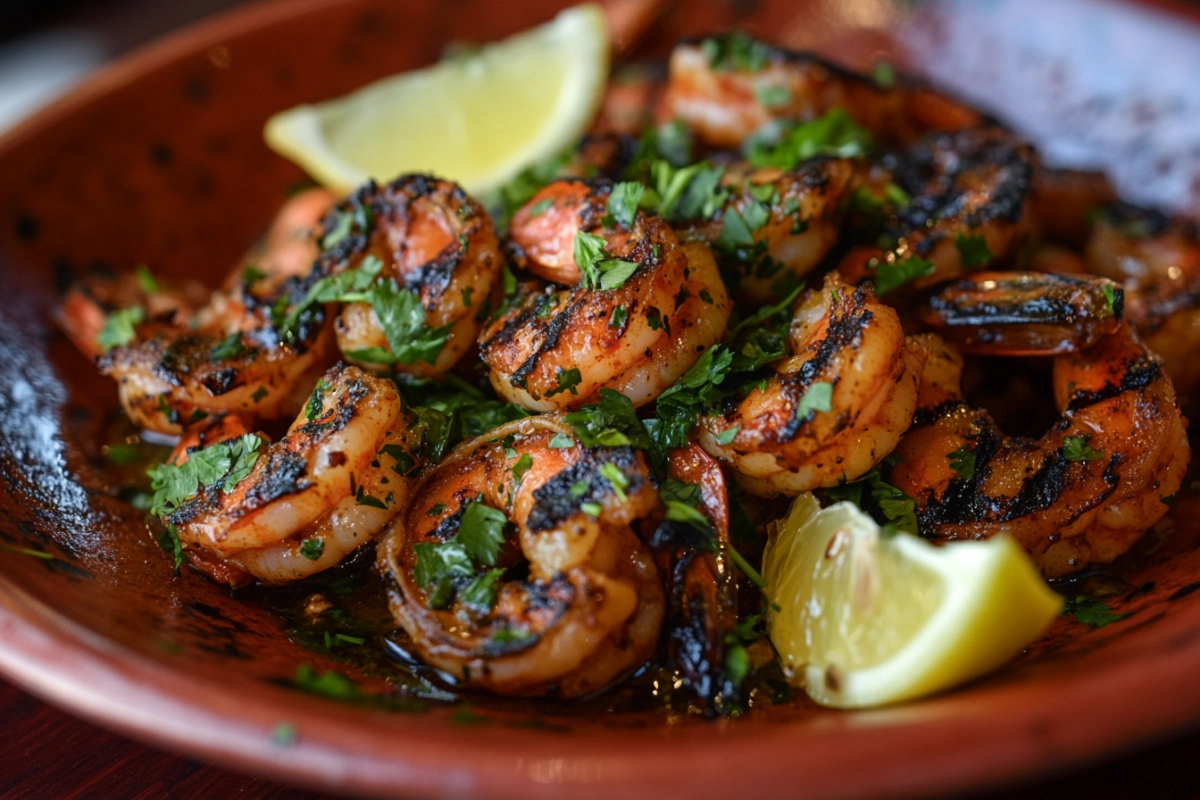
[(48, 755)]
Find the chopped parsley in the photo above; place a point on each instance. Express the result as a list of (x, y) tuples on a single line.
[(619, 315), (1076, 448), (312, 549), (259, 394), (884, 74), (146, 280), (1110, 297), (478, 541), (728, 435), (884, 502), (229, 347), (363, 499), (1092, 611), (612, 422), (684, 502), (118, 329), (590, 508), (599, 270), (316, 401), (962, 461), (452, 409), (973, 250), (818, 397), (890, 276), (623, 202), (773, 95), (786, 146), (222, 466), (540, 207), (521, 467), (736, 51), (617, 479), (561, 441), (565, 381)]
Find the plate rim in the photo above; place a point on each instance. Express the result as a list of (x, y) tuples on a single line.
[(110, 685)]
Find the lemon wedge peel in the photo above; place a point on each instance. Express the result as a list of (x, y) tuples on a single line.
[(478, 119), (980, 604)]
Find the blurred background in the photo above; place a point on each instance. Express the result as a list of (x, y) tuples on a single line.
[(48, 45), (1101, 84)]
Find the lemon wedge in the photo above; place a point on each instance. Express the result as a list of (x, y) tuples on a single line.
[(477, 119), (862, 619)]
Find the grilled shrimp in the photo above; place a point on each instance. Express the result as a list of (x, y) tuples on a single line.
[(727, 87), (966, 186), (701, 591), (1084, 492), (1025, 313), (555, 349), (834, 409), (572, 599), (323, 490), (432, 239), (1157, 261), (790, 221), (230, 355)]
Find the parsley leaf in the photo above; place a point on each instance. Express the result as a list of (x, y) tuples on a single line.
[(222, 465), (891, 276), (598, 270), (884, 502), (480, 593), (481, 532), (146, 280), (972, 249), (402, 318), (1110, 298), (1076, 448), (612, 422), (118, 329), (623, 202), (312, 549), (316, 401), (521, 467), (229, 347), (817, 397), (773, 95), (617, 479), (566, 380), (962, 461), (1092, 611), (619, 315)]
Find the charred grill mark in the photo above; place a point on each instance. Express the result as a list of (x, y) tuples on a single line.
[(348, 401), (1137, 376), (549, 341), (928, 416), (283, 474), (938, 174), (221, 381), (845, 331), (542, 605), (553, 500), (448, 526), (433, 278)]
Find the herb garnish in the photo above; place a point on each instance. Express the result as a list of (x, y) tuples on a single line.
[(890, 276), (973, 250), (599, 270), (962, 461), (1092, 611), (1076, 448), (118, 329), (478, 541)]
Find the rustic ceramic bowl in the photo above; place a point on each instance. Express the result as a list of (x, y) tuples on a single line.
[(159, 160)]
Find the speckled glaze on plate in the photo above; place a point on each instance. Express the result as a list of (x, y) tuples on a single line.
[(159, 160)]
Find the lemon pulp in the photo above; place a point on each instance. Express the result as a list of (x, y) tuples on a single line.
[(862, 619), (478, 119)]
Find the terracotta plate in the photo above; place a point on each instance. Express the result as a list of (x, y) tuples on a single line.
[(159, 160)]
